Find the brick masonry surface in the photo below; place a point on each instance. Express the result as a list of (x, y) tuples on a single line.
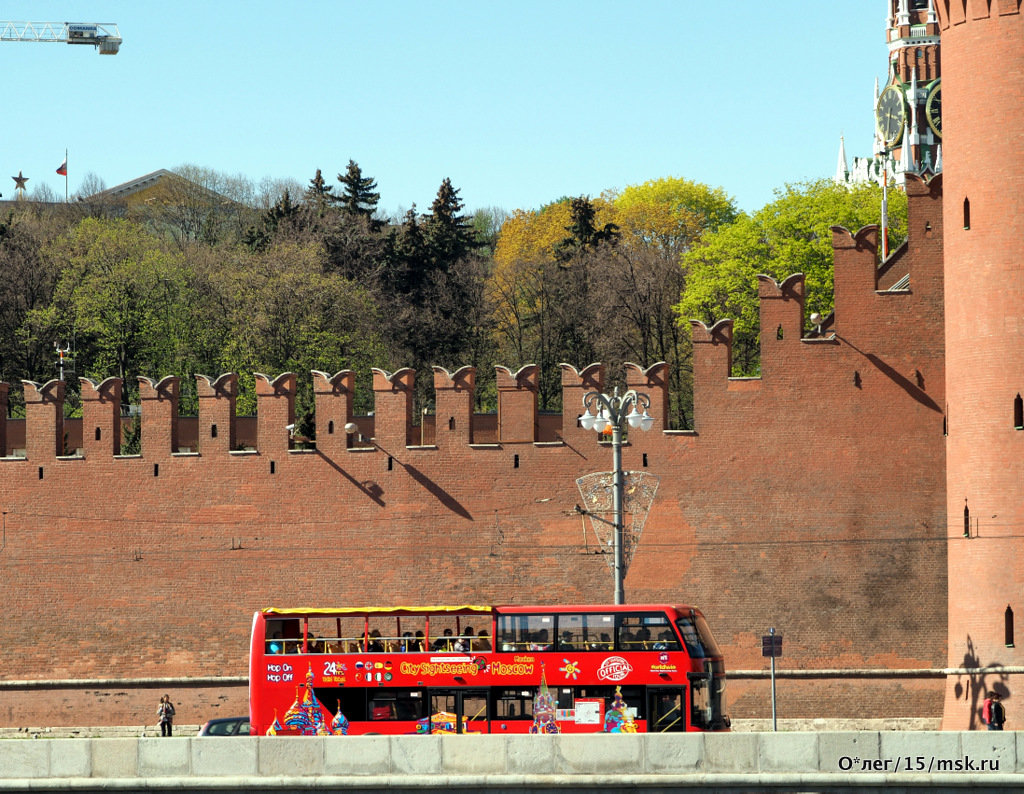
[(810, 500)]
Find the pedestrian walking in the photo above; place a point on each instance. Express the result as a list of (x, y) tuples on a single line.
[(165, 715), (993, 713)]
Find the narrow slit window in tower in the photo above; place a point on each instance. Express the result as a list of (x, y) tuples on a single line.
[(1008, 626), (213, 431), (1018, 413), (967, 213), (99, 433)]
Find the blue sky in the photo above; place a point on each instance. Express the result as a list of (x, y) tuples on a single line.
[(517, 103)]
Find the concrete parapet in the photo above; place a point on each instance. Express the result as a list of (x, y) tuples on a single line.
[(678, 760)]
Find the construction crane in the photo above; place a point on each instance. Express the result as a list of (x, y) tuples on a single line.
[(104, 36)]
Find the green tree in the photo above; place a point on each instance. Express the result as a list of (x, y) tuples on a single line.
[(276, 222), (448, 235), (792, 234), (111, 297), (358, 195), (606, 290), (319, 195), (673, 212), (583, 232), (285, 312), (30, 278)]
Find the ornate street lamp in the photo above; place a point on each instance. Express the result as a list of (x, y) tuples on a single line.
[(614, 412)]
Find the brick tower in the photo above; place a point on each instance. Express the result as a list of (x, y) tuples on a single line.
[(908, 128), (983, 213)]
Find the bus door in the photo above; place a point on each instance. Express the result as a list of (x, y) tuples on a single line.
[(459, 711), (666, 709)]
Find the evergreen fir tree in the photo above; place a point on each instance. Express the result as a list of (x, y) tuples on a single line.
[(448, 235), (260, 236), (582, 232), (358, 196), (319, 194), (406, 263)]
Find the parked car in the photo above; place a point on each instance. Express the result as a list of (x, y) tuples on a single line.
[(226, 726)]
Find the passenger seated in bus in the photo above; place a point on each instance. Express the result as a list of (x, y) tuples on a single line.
[(376, 644), (407, 642), (566, 643), (444, 643), (643, 638), (419, 644), (627, 641), (604, 645), (665, 641), (464, 643), (508, 641), (540, 641), (482, 641), (275, 645)]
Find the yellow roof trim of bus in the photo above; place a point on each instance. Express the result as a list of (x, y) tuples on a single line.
[(374, 610)]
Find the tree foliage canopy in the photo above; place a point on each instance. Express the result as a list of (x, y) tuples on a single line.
[(221, 275), (595, 279), (792, 234)]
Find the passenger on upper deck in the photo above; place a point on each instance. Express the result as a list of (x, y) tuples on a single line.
[(376, 644), (444, 643), (482, 641), (464, 643)]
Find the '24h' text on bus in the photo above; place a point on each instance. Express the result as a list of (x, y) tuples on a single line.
[(482, 669)]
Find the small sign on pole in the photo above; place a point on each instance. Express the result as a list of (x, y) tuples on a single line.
[(771, 646)]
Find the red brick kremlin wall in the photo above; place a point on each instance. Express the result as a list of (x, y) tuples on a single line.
[(810, 500), (983, 137)]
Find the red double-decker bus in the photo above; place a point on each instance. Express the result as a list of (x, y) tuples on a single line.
[(483, 669)]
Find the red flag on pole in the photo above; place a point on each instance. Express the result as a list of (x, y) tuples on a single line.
[(63, 168)]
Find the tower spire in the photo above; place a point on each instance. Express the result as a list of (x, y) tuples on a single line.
[(842, 172)]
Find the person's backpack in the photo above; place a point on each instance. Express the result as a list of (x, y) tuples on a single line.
[(996, 713)]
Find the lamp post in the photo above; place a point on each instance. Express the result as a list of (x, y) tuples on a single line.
[(614, 412)]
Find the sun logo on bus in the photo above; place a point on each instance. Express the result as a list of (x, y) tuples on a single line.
[(571, 669)]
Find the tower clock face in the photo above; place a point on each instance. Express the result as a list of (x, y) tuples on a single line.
[(890, 114), (933, 108)]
